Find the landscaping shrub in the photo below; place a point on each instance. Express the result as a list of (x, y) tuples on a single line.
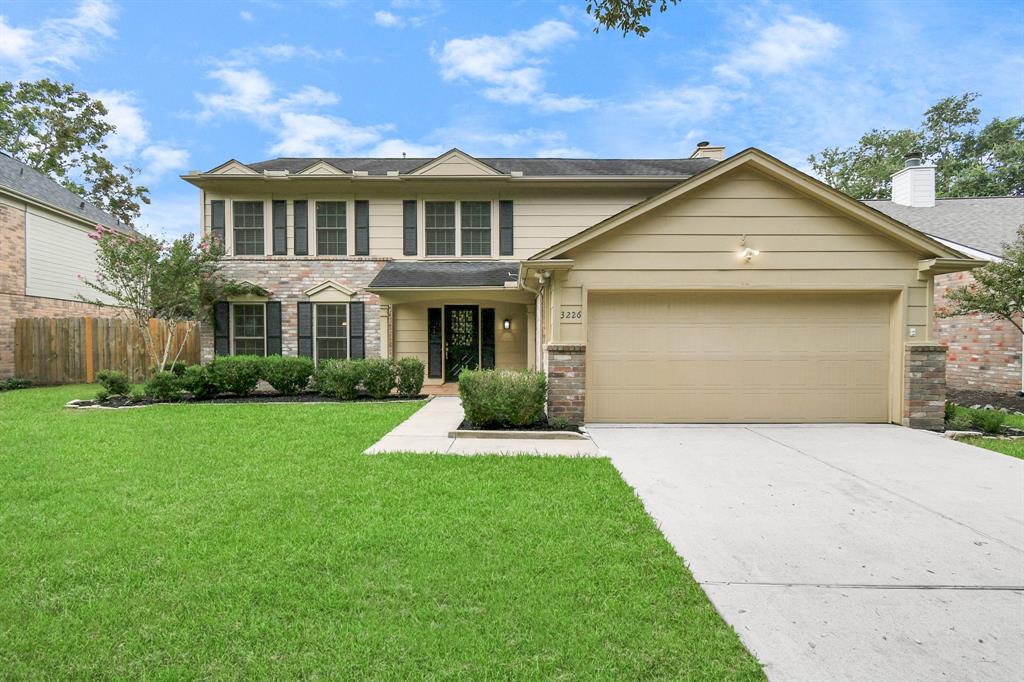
[(287, 375), (114, 382), (950, 410), (237, 374), (102, 395), (197, 381), (409, 374), (339, 378), (378, 377), (502, 398), (960, 422), (14, 383), (989, 421), (164, 386)]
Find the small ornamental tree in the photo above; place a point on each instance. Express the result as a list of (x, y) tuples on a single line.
[(997, 290), (149, 278)]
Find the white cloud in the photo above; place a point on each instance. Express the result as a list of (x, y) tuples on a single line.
[(781, 46), (388, 19), (278, 52), (246, 15), (303, 134), (170, 215), (58, 43), (510, 65), (158, 159), (682, 104), (563, 153), (130, 143)]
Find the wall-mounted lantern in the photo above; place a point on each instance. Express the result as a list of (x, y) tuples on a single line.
[(746, 253), (506, 323)]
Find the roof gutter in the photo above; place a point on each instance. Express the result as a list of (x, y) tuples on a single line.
[(943, 266)]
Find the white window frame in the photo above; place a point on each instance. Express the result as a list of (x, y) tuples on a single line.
[(313, 237), (229, 220), (231, 325), (348, 330), (422, 230)]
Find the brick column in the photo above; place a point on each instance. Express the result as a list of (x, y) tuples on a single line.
[(567, 381), (924, 386)]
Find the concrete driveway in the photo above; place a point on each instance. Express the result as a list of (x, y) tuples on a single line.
[(843, 552)]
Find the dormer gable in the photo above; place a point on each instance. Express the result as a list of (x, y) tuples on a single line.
[(232, 167), (455, 162), (321, 167), (330, 291)]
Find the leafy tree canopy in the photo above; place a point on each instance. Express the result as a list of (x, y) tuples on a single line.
[(60, 131), (625, 15), (970, 161)]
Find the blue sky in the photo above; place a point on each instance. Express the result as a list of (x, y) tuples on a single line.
[(192, 84)]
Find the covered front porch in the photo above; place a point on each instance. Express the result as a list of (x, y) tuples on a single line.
[(456, 316)]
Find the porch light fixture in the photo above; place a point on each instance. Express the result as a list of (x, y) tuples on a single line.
[(746, 253), (506, 323)]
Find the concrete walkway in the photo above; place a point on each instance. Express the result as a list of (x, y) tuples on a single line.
[(427, 432), (843, 552)]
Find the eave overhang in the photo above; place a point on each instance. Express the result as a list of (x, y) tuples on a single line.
[(930, 267)]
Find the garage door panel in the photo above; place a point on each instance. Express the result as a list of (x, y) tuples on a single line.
[(738, 357)]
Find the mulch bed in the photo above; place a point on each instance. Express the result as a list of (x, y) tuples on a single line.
[(1010, 401), (542, 425), (309, 397)]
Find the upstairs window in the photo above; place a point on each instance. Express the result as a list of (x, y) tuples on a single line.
[(248, 225), (249, 328), (331, 233), (476, 228), (331, 331), (440, 227)]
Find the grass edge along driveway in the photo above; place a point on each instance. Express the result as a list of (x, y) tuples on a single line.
[(255, 541)]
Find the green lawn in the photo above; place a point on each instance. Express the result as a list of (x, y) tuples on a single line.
[(255, 541), (1013, 448)]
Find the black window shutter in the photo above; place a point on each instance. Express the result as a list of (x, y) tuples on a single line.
[(305, 318), (217, 220), (356, 334), (434, 343), (505, 230), (301, 228), (487, 338), (280, 217), (273, 327), (409, 227), (362, 227), (222, 328)]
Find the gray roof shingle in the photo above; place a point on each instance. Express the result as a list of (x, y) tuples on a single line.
[(528, 166), (982, 223), (445, 274), (26, 180)]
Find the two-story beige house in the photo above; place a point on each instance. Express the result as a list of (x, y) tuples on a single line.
[(650, 290)]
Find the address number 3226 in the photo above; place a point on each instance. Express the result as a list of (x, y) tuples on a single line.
[(572, 315)]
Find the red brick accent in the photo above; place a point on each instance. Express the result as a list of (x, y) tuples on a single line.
[(924, 386), (567, 375), (983, 354)]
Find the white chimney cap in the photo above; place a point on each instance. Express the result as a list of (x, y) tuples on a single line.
[(914, 184)]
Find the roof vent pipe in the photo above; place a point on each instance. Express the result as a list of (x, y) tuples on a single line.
[(705, 150)]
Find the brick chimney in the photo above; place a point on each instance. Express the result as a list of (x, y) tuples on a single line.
[(704, 150), (914, 184)]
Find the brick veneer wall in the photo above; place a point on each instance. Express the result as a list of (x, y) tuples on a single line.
[(286, 278), (567, 381), (13, 301), (924, 386), (984, 354)]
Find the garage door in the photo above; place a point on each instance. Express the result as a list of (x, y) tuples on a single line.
[(738, 357)]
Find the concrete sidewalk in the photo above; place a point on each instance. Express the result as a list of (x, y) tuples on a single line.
[(427, 432)]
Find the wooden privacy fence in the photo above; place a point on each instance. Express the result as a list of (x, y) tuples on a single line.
[(72, 350)]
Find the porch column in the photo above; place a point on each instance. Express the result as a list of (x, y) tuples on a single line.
[(924, 386), (531, 337), (567, 375), (385, 331)]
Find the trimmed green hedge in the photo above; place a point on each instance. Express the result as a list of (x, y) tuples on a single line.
[(237, 374), (502, 398), (287, 375)]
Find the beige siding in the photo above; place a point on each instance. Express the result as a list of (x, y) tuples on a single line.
[(57, 253), (410, 330), (692, 243)]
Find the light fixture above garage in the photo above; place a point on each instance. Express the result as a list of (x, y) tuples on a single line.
[(747, 253)]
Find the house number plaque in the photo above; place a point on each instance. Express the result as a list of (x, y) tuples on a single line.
[(571, 314)]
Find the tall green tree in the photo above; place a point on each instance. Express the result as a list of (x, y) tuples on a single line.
[(997, 290), (61, 132), (971, 161), (627, 16)]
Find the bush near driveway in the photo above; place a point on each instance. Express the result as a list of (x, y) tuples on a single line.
[(379, 377), (960, 418), (503, 397), (257, 542), (287, 375), (410, 373), (339, 378)]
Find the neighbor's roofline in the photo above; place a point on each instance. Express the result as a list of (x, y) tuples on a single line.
[(36, 201), (781, 171)]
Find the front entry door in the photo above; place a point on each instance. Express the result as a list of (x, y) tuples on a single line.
[(461, 340)]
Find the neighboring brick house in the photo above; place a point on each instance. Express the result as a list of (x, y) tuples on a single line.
[(701, 289), (44, 248), (983, 354)]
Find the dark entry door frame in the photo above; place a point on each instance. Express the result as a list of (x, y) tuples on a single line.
[(461, 339)]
